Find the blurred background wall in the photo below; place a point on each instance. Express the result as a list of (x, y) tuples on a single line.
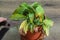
[(52, 10)]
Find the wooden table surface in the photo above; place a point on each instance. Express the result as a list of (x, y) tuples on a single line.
[(52, 10)]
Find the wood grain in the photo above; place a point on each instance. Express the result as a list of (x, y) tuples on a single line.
[(52, 10)]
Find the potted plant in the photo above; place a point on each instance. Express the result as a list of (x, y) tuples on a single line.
[(35, 25)]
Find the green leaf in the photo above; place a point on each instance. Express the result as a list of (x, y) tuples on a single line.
[(21, 8), (35, 4), (31, 27), (47, 25), (31, 17), (25, 6), (39, 11), (46, 29), (48, 22), (37, 21), (17, 17)]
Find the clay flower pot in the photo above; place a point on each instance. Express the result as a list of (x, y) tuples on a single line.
[(34, 36)]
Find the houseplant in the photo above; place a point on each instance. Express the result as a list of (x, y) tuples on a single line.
[(35, 25)]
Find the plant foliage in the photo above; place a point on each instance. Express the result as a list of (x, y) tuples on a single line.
[(33, 15)]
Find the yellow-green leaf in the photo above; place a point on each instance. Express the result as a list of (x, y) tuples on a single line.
[(48, 22), (46, 29), (47, 25), (26, 28), (23, 24), (17, 17)]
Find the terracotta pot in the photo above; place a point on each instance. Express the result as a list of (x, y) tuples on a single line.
[(33, 36)]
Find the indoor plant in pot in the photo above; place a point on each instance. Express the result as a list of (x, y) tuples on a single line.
[(35, 25)]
